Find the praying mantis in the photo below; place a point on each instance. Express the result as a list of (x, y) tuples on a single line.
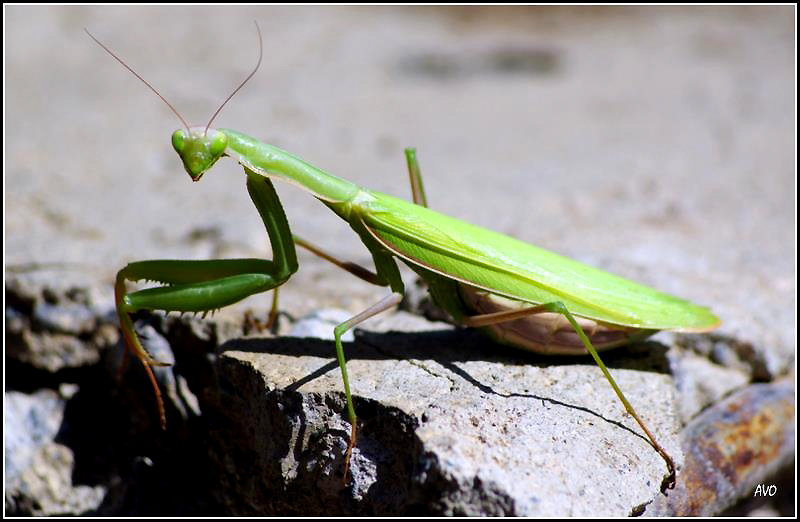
[(519, 294)]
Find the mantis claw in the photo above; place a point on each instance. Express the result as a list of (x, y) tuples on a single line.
[(161, 412), (348, 453)]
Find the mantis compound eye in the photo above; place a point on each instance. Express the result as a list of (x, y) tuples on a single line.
[(217, 145), (179, 140)]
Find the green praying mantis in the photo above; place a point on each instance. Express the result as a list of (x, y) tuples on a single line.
[(517, 293)]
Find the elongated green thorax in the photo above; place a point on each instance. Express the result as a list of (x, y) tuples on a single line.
[(269, 160)]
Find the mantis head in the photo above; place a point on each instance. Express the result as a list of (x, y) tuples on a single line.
[(199, 149)]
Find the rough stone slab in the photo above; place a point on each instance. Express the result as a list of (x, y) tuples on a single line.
[(38, 470), (467, 426), (55, 323)]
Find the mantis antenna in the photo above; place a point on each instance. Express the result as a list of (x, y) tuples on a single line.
[(183, 121), (117, 58), (260, 55)]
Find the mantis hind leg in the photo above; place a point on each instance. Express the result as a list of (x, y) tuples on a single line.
[(560, 308)]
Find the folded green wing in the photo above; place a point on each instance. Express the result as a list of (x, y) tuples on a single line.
[(509, 267)]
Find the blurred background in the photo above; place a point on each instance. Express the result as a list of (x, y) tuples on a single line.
[(654, 142)]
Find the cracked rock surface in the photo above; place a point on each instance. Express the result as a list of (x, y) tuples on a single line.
[(449, 423)]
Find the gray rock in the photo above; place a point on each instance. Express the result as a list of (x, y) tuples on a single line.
[(450, 424), (53, 327), (38, 470), (30, 422)]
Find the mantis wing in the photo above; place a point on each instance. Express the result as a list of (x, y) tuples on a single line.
[(515, 269)]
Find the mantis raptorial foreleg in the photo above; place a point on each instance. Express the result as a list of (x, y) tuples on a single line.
[(202, 286)]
